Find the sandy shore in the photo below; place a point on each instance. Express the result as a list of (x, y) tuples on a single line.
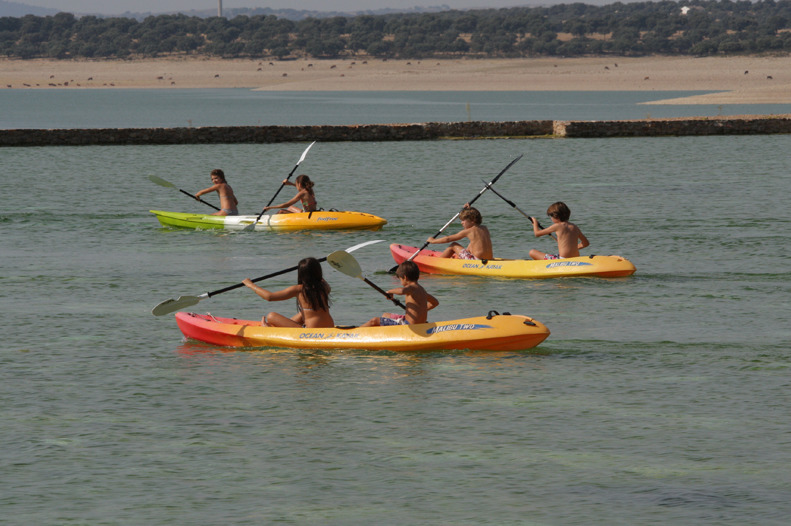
[(737, 80)]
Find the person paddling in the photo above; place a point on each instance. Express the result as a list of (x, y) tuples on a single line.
[(570, 237), (312, 294), (480, 246), (305, 196), (418, 301), (228, 201)]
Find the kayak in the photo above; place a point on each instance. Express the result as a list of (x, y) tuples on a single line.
[(494, 332), (319, 220), (428, 261)]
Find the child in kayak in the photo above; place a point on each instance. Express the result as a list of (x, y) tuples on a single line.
[(228, 202), (480, 246), (305, 196), (312, 294), (418, 301), (570, 237)]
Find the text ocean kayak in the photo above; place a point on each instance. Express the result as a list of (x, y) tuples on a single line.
[(428, 261), (319, 220), (495, 332)]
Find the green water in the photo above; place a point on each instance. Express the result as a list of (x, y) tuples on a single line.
[(658, 399)]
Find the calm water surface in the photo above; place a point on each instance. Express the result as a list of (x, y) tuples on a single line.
[(129, 108), (658, 399)]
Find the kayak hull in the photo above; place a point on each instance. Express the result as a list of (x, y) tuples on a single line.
[(319, 220), (428, 261), (496, 332)]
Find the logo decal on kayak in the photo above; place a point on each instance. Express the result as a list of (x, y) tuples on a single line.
[(458, 327), (476, 265), (326, 219), (329, 336), (569, 264)]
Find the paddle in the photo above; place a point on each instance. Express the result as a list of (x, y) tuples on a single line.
[(452, 219), (344, 262), (257, 219), (171, 305), (166, 184), (501, 196)]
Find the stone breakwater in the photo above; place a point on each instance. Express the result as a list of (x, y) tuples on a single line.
[(743, 125)]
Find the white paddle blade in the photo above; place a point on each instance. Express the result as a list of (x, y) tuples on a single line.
[(361, 245), (344, 262), (171, 305), (305, 153)]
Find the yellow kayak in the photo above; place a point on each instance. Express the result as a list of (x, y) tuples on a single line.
[(495, 332), (319, 220), (601, 266)]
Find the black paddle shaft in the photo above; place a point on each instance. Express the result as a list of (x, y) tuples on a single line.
[(256, 280), (487, 187), (388, 296), (198, 198)]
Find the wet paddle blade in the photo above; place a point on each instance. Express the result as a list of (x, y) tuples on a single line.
[(171, 305), (344, 262), (161, 182)]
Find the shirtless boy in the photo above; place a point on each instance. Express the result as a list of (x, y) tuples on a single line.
[(480, 246), (418, 301), (228, 202), (570, 237)]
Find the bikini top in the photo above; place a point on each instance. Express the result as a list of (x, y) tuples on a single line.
[(309, 204)]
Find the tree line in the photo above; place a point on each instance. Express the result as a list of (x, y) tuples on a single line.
[(699, 28)]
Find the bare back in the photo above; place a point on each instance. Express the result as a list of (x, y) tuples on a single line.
[(569, 237), (417, 302), (480, 242), (313, 318)]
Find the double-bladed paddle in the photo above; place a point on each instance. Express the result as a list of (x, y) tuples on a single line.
[(167, 184), (171, 305), (344, 262), (302, 158), (452, 219)]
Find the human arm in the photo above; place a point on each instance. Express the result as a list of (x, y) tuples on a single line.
[(461, 234), (280, 295), (213, 188), (583, 241), (431, 301), (288, 203), (538, 231)]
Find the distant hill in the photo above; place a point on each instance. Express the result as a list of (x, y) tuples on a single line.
[(16, 9)]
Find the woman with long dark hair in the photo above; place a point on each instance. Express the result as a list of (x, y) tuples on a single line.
[(312, 294)]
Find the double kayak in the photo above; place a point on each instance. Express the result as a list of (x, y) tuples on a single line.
[(494, 332), (428, 261), (319, 220)]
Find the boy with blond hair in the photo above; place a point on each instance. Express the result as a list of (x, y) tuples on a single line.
[(480, 246)]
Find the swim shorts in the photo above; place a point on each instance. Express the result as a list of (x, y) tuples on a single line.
[(552, 256), (392, 319), (465, 254), (230, 212)]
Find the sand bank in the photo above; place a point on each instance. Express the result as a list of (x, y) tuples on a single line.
[(737, 80)]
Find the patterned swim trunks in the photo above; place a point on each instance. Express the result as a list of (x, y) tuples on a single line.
[(392, 319), (465, 254), (551, 256)]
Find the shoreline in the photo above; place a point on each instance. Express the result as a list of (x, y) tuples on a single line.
[(730, 80)]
